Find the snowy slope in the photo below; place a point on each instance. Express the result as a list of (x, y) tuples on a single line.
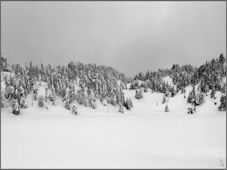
[(151, 102)]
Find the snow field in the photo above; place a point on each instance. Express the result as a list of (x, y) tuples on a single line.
[(145, 137), (113, 140)]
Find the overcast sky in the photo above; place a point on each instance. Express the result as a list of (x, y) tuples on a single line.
[(128, 36)]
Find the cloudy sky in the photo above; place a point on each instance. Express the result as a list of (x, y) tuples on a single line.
[(128, 36)]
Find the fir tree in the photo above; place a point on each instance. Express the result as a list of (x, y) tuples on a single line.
[(199, 99), (164, 100), (191, 110), (192, 97), (41, 101), (212, 94), (222, 59), (166, 108), (222, 106), (121, 108), (130, 103), (138, 94), (67, 105), (126, 104)]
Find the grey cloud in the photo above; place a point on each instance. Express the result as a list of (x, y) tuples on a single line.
[(129, 36)]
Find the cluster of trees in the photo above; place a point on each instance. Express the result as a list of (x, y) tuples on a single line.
[(208, 76), (182, 77), (4, 64), (96, 82), (195, 99), (222, 106)]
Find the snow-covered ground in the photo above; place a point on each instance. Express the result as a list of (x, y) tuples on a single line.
[(113, 140), (145, 137)]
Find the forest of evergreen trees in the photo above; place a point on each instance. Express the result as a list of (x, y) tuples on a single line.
[(208, 76), (96, 82), (102, 82)]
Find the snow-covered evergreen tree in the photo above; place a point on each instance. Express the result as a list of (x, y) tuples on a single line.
[(130, 103), (139, 94), (74, 109), (121, 109), (67, 105), (191, 96), (164, 100), (222, 106), (166, 108), (191, 110), (212, 94), (41, 101), (127, 104), (16, 107)]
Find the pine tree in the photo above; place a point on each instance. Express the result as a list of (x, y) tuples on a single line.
[(212, 94), (137, 95), (166, 108), (222, 59), (199, 99), (126, 104), (121, 108), (191, 110), (67, 105), (74, 109), (41, 101), (16, 107), (92, 99), (192, 97), (164, 100), (222, 106), (130, 103)]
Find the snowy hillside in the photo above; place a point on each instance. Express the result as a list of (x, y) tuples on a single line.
[(151, 103)]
